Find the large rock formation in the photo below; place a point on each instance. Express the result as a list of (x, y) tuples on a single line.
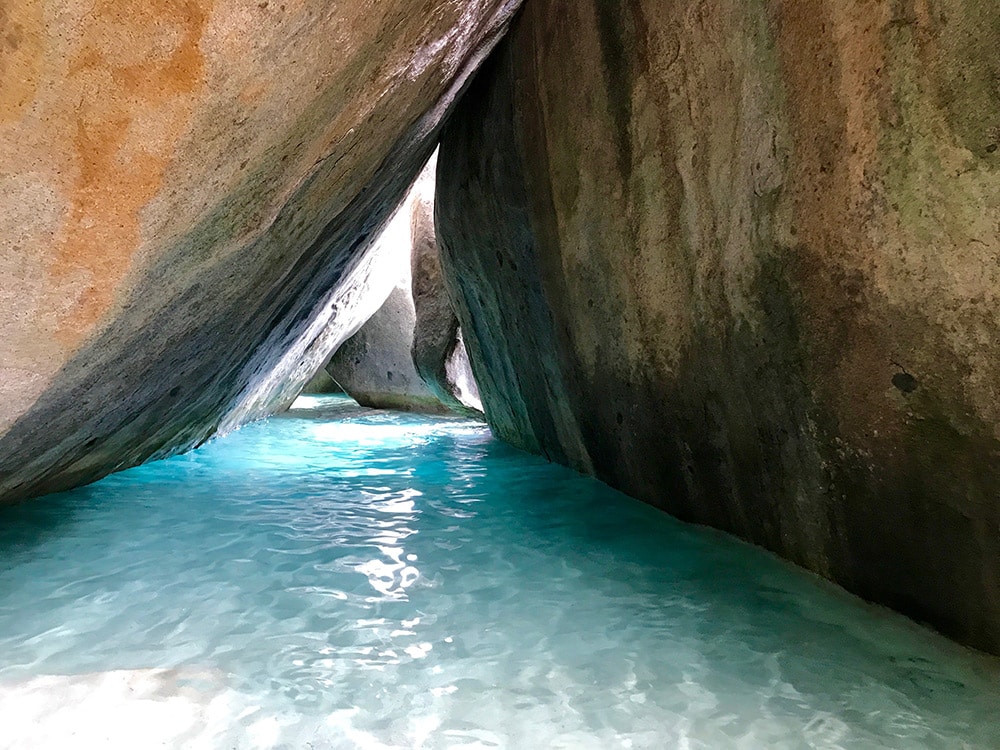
[(409, 354), (187, 191), (740, 260)]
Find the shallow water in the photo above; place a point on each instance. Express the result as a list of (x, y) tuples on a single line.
[(341, 578)]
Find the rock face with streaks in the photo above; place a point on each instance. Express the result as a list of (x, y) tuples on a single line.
[(187, 193), (740, 260)]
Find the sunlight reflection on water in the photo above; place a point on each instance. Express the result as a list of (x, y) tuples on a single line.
[(341, 578)]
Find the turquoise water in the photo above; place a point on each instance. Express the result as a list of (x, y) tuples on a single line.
[(343, 578)]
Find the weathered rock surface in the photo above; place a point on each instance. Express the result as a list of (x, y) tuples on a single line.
[(187, 191), (409, 354), (740, 260)]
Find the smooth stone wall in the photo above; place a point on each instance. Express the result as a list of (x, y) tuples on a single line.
[(740, 260)]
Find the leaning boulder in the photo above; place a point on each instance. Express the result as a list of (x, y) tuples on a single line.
[(374, 366), (739, 259), (187, 194)]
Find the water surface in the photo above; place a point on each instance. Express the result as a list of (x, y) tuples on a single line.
[(343, 578)]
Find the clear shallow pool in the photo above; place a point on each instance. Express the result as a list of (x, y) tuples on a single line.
[(341, 578)]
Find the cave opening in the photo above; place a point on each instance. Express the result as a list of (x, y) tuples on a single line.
[(408, 353)]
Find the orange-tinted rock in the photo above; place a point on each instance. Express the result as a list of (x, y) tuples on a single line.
[(187, 189)]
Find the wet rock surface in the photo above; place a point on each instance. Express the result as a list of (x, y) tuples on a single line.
[(739, 261)]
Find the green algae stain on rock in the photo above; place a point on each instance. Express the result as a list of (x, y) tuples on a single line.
[(963, 39)]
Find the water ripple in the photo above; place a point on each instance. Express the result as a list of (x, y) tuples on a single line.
[(342, 578)]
